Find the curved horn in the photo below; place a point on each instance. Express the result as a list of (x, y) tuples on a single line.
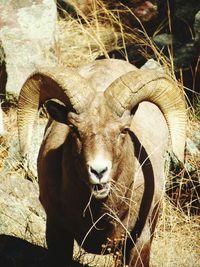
[(147, 85), (58, 82)]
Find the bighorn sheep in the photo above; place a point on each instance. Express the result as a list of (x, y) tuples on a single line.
[(101, 163)]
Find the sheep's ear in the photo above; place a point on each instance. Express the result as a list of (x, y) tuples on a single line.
[(57, 111)]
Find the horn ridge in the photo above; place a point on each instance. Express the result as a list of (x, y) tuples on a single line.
[(148, 85)]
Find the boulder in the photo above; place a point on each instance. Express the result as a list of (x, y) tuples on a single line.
[(14, 160), (21, 213), (27, 33)]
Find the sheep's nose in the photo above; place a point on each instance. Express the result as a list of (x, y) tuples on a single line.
[(99, 169), (99, 173)]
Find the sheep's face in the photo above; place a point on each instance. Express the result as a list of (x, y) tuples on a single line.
[(98, 139)]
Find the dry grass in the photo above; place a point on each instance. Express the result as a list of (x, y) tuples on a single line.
[(177, 238), (176, 241), (83, 40), (78, 44)]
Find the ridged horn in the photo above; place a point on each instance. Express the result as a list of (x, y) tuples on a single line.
[(148, 85), (59, 83)]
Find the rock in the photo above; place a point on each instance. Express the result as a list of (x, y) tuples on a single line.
[(151, 64), (197, 28), (163, 39), (196, 138), (27, 33), (22, 220), (185, 56), (192, 148), (14, 161), (21, 214), (183, 16), (189, 168), (182, 24)]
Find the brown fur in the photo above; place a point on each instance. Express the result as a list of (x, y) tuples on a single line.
[(132, 206)]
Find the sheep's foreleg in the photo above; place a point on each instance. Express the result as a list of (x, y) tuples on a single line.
[(138, 255), (60, 245)]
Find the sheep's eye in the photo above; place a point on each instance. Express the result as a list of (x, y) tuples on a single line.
[(74, 130), (124, 130)]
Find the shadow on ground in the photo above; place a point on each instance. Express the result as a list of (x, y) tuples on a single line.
[(16, 252)]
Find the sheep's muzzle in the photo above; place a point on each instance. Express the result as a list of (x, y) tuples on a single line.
[(100, 191)]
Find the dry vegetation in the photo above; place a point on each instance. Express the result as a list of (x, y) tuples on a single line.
[(177, 238)]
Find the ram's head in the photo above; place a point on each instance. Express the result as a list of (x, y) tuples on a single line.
[(99, 122)]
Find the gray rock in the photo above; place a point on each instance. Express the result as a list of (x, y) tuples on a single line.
[(192, 148), (27, 32), (197, 28), (14, 160), (196, 138), (21, 214), (163, 39), (151, 64), (189, 168)]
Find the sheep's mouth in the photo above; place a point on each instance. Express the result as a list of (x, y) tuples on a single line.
[(100, 191)]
